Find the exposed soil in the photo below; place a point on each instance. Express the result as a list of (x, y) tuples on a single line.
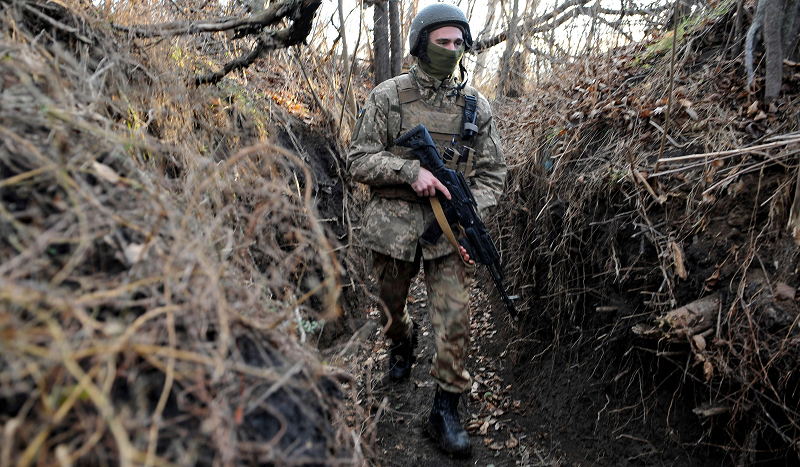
[(600, 394)]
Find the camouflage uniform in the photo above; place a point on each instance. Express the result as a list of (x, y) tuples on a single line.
[(395, 217)]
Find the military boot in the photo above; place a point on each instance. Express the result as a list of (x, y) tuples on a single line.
[(444, 425), (401, 356)]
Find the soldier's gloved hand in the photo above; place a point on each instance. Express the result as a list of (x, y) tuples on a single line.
[(426, 184)]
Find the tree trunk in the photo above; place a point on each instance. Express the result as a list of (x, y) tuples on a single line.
[(773, 14), (788, 29), (511, 42), (411, 12), (480, 65), (396, 37), (737, 47), (590, 36), (750, 41), (480, 68), (349, 97), (380, 62), (517, 77)]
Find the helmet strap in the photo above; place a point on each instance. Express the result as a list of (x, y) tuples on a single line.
[(460, 86), (423, 47), (464, 75)]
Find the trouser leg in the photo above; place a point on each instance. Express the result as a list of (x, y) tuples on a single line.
[(448, 281), (394, 280)]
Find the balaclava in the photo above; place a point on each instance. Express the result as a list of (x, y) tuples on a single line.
[(443, 62)]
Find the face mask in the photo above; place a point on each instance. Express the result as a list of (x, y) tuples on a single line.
[(443, 61)]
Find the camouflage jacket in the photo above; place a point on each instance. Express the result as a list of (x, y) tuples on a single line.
[(392, 226)]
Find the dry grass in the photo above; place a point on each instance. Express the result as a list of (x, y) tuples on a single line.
[(158, 254)]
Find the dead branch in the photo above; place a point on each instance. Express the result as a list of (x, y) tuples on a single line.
[(562, 13), (268, 17), (301, 12), (268, 40), (692, 318), (532, 23)]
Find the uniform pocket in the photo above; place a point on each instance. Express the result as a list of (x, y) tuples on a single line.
[(397, 164)]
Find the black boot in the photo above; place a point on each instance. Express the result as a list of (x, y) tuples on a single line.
[(401, 356), (444, 425)]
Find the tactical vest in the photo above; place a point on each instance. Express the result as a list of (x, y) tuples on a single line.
[(443, 123)]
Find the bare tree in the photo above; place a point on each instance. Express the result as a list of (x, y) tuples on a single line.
[(511, 43), (351, 100), (380, 62), (411, 12), (568, 10), (396, 33), (593, 28), (773, 14), (517, 75), (491, 14)]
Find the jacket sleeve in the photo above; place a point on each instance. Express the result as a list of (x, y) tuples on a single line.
[(368, 161), (490, 165)]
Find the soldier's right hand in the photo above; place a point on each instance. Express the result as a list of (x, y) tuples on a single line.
[(426, 184)]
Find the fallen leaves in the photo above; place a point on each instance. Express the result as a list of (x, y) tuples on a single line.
[(512, 442), (488, 389), (784, 291), (677, 260), (105, 172), (752, 110), (133, 253)]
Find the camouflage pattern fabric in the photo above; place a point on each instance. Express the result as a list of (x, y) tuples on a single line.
[(448, 280), (393, 226), (394, 279)]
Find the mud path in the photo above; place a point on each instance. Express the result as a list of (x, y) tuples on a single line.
[(490, 412)]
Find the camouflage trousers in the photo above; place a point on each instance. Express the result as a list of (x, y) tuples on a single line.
[(448, 281)]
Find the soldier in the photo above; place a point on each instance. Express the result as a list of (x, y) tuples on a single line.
[(399, 210)]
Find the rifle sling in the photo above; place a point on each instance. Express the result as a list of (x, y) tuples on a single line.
[(430, 236), (442, 220)]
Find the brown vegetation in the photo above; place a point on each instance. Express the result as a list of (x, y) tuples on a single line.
[(159, 253), (615, 239)]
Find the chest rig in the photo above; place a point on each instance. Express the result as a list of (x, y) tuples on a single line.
[(452, 127)]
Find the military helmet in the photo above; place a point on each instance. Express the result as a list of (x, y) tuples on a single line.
[(431, 17)]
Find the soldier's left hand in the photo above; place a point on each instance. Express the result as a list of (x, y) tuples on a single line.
[(464, 255)]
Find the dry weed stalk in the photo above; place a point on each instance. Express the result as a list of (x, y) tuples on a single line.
[(152, 273)]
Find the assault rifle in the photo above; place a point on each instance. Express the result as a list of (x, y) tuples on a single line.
[(459, 208)]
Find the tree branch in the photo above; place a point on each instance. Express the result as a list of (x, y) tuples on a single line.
[(531, 23), (303, 15), (545, 55), (268, 17), (576, 8)]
